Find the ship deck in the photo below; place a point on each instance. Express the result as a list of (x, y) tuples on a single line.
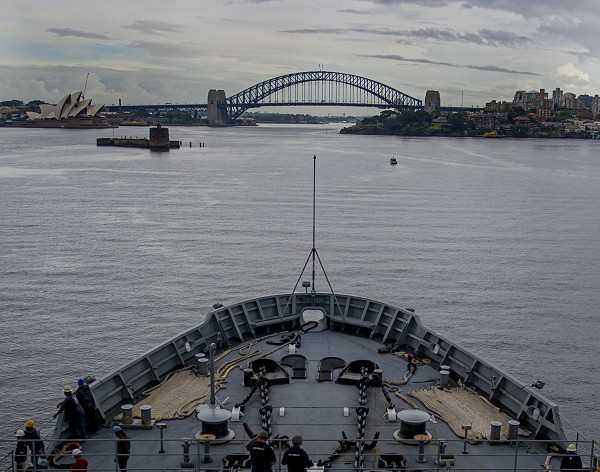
[(322, 411)]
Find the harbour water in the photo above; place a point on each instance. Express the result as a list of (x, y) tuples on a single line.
[(106, 251)]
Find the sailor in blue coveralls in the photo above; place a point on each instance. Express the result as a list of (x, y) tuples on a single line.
[(571, 461), (262, 456), (295, 457)]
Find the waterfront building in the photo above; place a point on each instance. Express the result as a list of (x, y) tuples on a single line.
[(495, 106), (71, 111), (488, 121), (70, 106)]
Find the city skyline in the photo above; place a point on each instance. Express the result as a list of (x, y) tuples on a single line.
[(471, 51)]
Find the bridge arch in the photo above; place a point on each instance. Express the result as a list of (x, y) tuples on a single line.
[(380, 95)]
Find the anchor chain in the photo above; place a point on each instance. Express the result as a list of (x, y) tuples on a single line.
[(242, 404), (362, 410), (266, 409)]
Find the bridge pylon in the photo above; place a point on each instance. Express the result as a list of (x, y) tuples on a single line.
[(217, 107)]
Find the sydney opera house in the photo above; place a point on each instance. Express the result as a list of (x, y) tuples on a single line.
[(72, 111)]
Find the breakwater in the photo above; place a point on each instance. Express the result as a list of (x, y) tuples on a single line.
[(135, 142), (159, 140)]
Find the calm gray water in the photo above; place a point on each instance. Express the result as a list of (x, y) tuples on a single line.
[(105, 252)]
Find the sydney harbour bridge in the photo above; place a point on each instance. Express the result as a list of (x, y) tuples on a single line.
[(312, 88)]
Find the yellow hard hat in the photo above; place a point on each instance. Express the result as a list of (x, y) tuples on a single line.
[(29, 424), (67, 389)]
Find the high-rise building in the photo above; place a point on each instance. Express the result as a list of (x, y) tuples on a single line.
[(544, 106), (526, 100), (570, 100), (586, 101), (596, 105), (557, 97)]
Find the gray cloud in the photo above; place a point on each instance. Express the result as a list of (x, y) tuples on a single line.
[(154, 27), (530, 8), (355, 12), (395, 57), (489, 68), (500, 69), (584, 32), (537, 8), (483, 37), (106, 85), (426, 3), (64, 32)]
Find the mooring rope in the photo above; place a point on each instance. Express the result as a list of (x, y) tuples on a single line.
[(181, 391), (459, 406)]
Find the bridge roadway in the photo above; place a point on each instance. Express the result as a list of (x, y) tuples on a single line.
[(204, 106)]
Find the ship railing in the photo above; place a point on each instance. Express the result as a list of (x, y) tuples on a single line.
[(434, 455), (7, 461), (584, 445)]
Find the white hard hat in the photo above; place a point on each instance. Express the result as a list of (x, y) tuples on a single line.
[(76, 452), (20, 433)]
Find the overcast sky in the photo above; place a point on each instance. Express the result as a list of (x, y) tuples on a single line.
[(149, 51)]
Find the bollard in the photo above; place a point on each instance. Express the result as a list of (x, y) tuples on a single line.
[(127, 411), (146, 413), (203, 366), (444, 378), (248, 376), (495, 427), (513, 430)]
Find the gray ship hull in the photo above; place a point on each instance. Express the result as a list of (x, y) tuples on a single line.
[(340, 381)]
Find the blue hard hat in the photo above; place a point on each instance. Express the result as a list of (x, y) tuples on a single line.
[(80, 382), (116, 429)]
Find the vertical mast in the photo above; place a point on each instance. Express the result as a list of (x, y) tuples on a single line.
[(85, 86), (315, 256), (314, 249)]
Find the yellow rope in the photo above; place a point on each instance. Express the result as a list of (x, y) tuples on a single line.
[(458, 406), (178, 395)]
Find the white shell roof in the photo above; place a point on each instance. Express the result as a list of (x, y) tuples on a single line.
[(69, 106)]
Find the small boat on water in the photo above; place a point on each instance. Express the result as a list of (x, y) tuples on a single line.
[(393, 161), (365, 384), (493, 134)]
